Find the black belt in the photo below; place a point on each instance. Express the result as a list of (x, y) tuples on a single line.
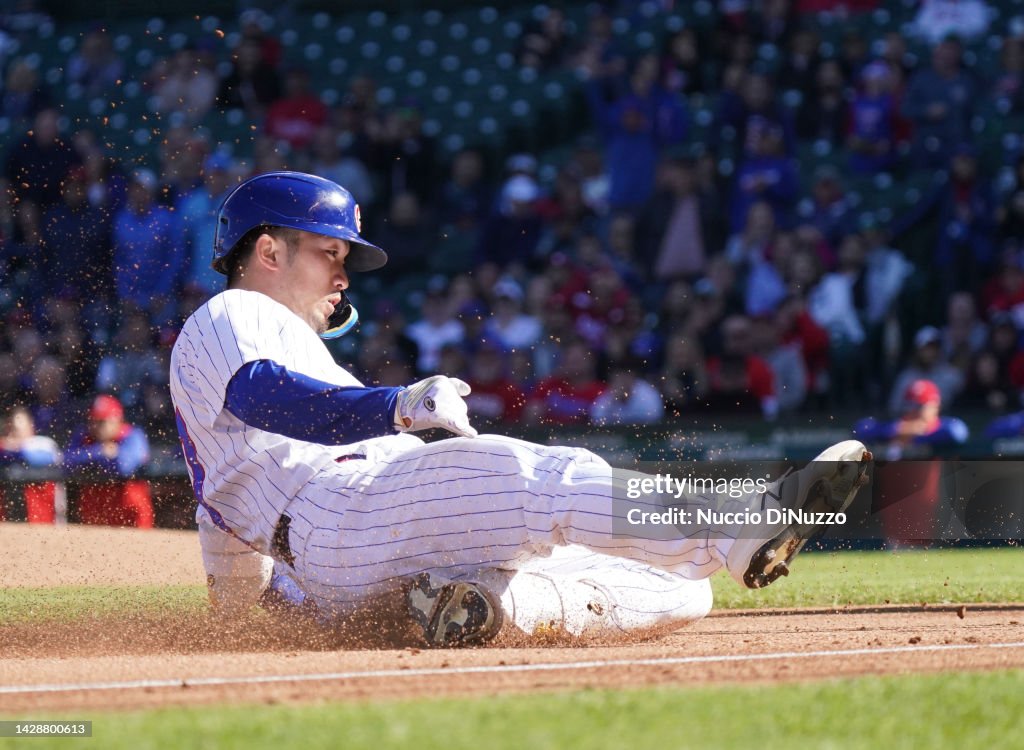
[(349, 457), (280, 547)]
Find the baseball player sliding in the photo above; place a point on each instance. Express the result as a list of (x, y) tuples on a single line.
[(304, 475)]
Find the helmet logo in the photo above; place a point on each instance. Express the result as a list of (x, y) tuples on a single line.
[(359, 220)]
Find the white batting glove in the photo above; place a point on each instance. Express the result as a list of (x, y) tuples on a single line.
[(434, 402)]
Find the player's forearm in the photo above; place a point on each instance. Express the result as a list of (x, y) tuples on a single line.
[(270, 397)]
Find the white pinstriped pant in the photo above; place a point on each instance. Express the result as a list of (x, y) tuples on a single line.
[(461, 506)]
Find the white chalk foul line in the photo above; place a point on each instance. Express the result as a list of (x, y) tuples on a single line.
[(494, 669)]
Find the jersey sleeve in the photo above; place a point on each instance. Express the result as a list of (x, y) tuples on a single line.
[(249, 328), (230, 330)]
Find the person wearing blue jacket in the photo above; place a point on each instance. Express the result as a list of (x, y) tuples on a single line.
[(766, 174), (149, 257), (920, 423), (636, 126), (908, 494), (107, 453)]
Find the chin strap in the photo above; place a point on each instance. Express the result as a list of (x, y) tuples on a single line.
[(342, 320)]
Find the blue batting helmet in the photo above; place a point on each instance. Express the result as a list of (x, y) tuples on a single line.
[(298, 201)]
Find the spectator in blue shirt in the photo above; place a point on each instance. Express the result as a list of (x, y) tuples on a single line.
[(635, 128), (828, 209), (1009, 425), (36, 165), (96, 67), (198, 212), (76, 245), (940, 102), (966, 246), (149, 255), (743, 112), (872, 131), (511, 234), (767, 174)]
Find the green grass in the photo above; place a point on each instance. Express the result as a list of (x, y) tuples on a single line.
[(822, 579), (819, 579), (972, 710), (66, 603)]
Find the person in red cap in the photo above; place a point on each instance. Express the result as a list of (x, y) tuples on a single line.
[(111, 451), (907, 493), (919, 423)]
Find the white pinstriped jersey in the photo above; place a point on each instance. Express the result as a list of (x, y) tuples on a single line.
[(246, 474)]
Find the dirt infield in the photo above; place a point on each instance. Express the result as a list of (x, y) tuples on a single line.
[(172, 660), (38, 555)]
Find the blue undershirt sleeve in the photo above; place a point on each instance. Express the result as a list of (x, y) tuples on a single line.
[(265, 395)]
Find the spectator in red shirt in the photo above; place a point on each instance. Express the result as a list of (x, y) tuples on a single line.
[(737, 378), (798, 327), (565, 397), (1005, 328), (596, 297), (495, 397), (296, 117), (1004, 291)]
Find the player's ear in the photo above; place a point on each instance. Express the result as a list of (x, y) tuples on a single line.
[(268, 251)]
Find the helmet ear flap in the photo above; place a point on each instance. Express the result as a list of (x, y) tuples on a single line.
[(219, 253), (223, 225)]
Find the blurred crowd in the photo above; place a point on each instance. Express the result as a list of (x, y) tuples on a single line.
[(664, 267)]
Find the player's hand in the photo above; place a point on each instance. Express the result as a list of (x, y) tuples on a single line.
[(434, 402)]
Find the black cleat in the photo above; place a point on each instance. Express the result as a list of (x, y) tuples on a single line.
[(460, 613), (826, 485)]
